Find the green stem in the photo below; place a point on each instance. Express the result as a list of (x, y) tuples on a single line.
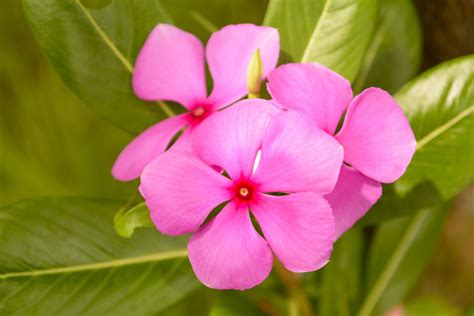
[(392, 265)]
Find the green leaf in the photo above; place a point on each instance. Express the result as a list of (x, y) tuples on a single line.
[(197, 303), (399, 254), (391, 205), (93, 51), (341, 276), (62, 257), (125, 221), (430, 306), (439, 105), (50, 143), (234, 304), (394, 54), (335, 33), (202, 17)]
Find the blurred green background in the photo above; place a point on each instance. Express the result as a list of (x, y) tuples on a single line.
[(51, 144)]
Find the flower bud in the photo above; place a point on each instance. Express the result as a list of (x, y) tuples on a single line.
[(254, 75)]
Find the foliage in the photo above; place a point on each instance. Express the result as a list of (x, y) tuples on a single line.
[(62, 256)]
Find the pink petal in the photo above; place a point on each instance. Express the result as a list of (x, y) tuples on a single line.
[(231, 138), (146, 147), (170, 66), (228, 53), (377, 138), (312, 89), (181, 190), (183, 143), (299, 228), (297, 156), (227, 253), (352, 197)]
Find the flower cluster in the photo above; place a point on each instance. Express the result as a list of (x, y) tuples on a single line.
[(283, 161)]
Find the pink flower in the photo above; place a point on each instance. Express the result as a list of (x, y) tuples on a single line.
[(296, 158), (171, 66), (377, 139)]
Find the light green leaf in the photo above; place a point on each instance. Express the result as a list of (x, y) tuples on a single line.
[(125, 221), (400, 252), (93, 51), (341, 276), (426, 305), (439, 105), (394, 54), (335, 33), (62, 257)]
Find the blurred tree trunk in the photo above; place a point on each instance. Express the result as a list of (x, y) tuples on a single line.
[(448, 29)]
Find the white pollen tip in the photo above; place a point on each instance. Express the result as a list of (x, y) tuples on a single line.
[(198, 112), (244, 191)]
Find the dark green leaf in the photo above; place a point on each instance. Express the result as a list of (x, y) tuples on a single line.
[(391, 205), (197, 303), (125, 221), (202, 17), (62, 257), (440, 106), (50, 143), (400, 252), (394, 54), (341, 276), (93, 51), (234, 304), (335, 33)]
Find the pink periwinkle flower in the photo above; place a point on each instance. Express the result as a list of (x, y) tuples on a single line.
[(171, 66), (242, 156), (377, 139)]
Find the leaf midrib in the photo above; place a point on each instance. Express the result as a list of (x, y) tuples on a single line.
[(121, 57), (312, 39), (443, 128), (155, 257), (126, 63)]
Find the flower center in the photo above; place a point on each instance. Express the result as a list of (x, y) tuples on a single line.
[(199, 111), (243, 190)]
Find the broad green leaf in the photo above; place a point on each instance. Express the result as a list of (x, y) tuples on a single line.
[(400, 252), (62, 257), (335, 33), (391, 205), (93, 51), (439, 105), (341, 276), (394, 54), (50, 143), (202, 17), (126, 221)]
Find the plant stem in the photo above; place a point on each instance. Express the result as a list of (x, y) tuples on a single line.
[(299, 304), (392, 265)]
